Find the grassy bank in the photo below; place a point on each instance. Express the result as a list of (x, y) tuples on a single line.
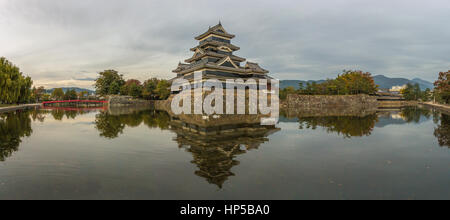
[(9, 108), (6, 105)]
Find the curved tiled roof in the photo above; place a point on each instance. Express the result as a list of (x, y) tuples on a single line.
[(247, 69), (255, 67), (216, 44), (217, 30), (181, 67), (213, 54)]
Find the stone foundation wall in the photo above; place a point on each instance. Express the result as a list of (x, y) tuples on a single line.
[(164, 105), (320, 101), (331, 105), (117, 100)]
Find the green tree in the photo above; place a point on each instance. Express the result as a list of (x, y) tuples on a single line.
[(426, 95), (417, 92), (83, 95), (407, 92), (37, 94), (286, 91), (70, 94), (301, 88), (149, 88), (132, 87), (163, 89), (107, 79), (412, 92), (114, 88), (14, 86), (57, 94), (135, 90)]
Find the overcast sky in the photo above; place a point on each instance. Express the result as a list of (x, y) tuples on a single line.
[(67, 42)]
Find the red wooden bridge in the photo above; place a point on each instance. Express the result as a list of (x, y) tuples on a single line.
[(74, 101)]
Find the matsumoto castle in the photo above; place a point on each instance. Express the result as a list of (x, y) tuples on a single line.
[(214, 58)]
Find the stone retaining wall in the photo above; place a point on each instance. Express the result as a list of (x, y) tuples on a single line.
[(329, 104), (117, 100), (321, 101)]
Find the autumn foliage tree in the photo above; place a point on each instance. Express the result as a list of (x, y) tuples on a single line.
[(132, 87), (37, 94), (442, 86)]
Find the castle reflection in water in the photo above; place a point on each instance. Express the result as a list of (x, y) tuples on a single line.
[(215, 142)]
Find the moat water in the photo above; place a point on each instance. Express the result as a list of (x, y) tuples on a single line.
[(66, 153)]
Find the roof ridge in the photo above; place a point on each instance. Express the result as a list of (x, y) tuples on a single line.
[(214, 30)]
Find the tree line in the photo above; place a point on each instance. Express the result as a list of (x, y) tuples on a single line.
[(110, 82), (350, 82), (40, 94), (15, 88), (440, 94)]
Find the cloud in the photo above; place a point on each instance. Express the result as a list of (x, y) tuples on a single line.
[(48, 83), (58, 42), (86, 79)]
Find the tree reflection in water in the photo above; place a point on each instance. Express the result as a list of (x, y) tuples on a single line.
[(413, 114), (442, 132), (358, 126), (13, 127), (58, 113), (110, 125), (348, 126)]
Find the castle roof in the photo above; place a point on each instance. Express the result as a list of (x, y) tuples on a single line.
[(215, 44), (217, 30), (247, 69), (201, 53), (255, 67)]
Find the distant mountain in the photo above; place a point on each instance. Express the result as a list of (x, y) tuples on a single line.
[(381, 80), (295, 83), (387, 83), (70, 88), (423, 83)]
